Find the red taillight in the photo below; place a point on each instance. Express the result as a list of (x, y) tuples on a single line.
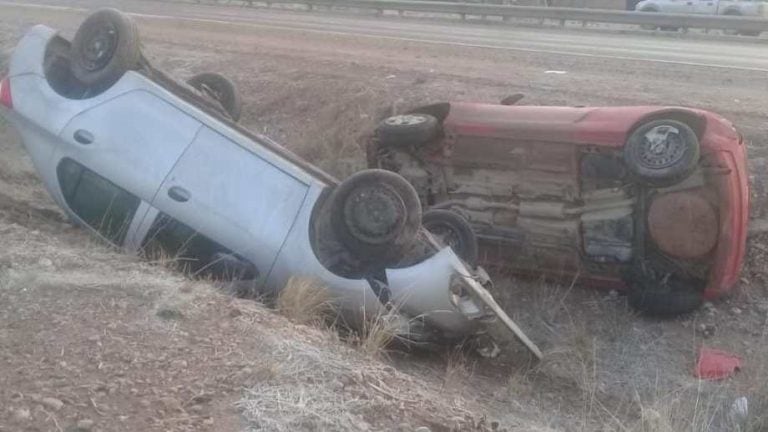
[(5, 93)]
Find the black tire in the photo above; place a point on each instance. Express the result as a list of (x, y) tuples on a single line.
[(454, 231), (750, 33), (407, 129), (662, 152), (221, 89), (731, 12), (649, 26), (376, 214), (736, 12), (661, 302), (105, 46)]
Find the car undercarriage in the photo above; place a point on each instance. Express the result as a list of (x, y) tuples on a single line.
[(570, 208)]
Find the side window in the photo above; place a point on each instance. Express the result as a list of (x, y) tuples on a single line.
[(98, 202), (194, 253)]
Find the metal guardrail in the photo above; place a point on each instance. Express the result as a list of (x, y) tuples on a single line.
[(748, 25)]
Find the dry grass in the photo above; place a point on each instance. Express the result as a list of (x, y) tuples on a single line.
[(757, 389), (377, 333), (336, 390), (712, 406), (305, 301), (459, 369), (303, 394)]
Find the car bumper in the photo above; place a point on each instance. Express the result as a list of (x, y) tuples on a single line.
[(734, 197), (431, 291)]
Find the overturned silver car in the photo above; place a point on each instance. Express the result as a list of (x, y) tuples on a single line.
[(154, 166)]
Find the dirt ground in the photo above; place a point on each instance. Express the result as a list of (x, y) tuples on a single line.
[(92, 336)]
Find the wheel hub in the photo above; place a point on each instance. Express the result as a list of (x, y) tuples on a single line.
[(405, 120), (375, 214), (99, 48), (662, 147)]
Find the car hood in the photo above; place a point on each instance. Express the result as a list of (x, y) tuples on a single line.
[(608, 126)]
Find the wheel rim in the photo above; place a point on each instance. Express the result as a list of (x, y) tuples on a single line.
[(374, 214), (405, 120), (99, 47), (662, 147)]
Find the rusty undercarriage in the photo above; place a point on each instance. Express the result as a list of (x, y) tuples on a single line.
[(550, 189)]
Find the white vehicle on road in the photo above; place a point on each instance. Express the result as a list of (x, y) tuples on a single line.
[(152, 166), (751, 8)]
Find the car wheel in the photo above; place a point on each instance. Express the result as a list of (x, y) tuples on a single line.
[(105, 46), (662, 152), (221, 89), (376, 213), (649, 26), (732, 12), (407, 129), (664, 300), (452, 230)]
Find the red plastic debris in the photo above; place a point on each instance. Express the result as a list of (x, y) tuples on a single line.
[(716, 365)]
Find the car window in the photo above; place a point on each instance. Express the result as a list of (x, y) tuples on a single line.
[(98, 202), (172, 241)]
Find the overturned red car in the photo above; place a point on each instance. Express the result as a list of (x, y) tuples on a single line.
[(652, 199)]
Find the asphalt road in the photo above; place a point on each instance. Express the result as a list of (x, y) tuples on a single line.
[(724, 55)]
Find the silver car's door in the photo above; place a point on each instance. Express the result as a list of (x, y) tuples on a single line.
[(235, 196), (133, 139), (706, 7), (677, 6)]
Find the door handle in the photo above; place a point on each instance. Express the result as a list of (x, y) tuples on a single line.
[(179, 194), (83, 136)]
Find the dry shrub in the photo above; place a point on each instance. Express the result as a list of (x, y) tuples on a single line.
[(377, 332), (458, 369), (679, 411), (305, 301)]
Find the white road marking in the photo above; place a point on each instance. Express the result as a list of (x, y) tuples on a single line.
[(396, 38)]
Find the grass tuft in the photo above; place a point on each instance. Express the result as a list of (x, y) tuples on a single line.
[(377, 333), (305, 301)]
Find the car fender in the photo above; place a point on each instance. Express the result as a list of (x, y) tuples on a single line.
[(29, 54), (647, 6), (424, 290)]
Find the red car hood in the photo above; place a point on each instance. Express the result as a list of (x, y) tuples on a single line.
[(607, 126)]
